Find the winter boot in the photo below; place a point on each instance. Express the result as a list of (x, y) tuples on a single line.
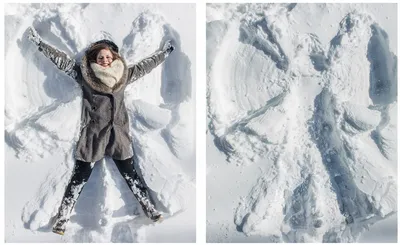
[(157, 218), (59, 226), (64, 213), (150, 210)]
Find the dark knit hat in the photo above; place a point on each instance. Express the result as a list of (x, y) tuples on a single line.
[(111, 44)]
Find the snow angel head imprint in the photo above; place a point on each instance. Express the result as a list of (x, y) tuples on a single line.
[(103, 53)]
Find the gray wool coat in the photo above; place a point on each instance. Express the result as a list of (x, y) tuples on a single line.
[(104, 122)]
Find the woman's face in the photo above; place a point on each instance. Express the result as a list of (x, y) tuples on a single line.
[(104, 58)]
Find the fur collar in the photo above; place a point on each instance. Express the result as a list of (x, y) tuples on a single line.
[(109, 75), (96, 84)]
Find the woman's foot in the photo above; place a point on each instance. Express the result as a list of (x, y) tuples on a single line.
[(59, 226), (157, 218), (150, 211), (59, 231)]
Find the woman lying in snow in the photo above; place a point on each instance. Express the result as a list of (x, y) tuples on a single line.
[(103, 76)]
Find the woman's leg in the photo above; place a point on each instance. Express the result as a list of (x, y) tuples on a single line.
[(128, 172), (80, 176)]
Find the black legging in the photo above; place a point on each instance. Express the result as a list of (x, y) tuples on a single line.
[(80, 176)]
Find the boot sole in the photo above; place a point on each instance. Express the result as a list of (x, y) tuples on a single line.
[(159, 220), (58, 232)]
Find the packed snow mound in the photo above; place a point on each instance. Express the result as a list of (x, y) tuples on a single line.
[(322, 118), (42, 117)]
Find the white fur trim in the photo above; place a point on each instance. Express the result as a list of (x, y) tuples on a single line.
[(109, 75)]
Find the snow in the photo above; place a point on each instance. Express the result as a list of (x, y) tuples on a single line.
[(302, 122), (42, 119)]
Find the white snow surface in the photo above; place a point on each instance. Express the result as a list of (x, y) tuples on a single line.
[(42, 120), (302, 116)]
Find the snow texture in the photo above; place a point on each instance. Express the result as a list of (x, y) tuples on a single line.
[(317, 119), (42, 120)]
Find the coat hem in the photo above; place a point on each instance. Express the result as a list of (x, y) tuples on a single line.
[(84, 160)]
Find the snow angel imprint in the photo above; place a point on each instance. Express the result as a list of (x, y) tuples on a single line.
[(103, 75)]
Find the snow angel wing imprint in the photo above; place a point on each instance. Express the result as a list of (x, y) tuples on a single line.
[(42, 102), (61, 60), (144, 66), (248, 91)]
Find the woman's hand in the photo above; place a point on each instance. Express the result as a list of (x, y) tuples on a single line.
[(167, 47), (34, 36)]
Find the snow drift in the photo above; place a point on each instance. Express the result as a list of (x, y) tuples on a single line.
[(42, 108), (318, 119)]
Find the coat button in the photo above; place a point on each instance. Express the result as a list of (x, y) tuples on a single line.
[(93, 108)]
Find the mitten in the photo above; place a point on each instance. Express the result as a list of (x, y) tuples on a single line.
[(168, 48), (34, 36)]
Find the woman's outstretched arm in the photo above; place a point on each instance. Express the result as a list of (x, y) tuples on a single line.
[(59, 58), (146, 65)]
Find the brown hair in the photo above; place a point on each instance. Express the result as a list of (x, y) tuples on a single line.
[(93, 51)]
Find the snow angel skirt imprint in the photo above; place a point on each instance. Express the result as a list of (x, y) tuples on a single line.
[(104, 121)]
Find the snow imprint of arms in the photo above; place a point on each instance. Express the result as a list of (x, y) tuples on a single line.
[(247, 92)]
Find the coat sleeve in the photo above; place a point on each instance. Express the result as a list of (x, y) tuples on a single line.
[(145, 66), (60, 59)]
